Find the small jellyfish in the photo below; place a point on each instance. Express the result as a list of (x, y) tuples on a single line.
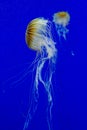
[(61, 20), (39, 38)]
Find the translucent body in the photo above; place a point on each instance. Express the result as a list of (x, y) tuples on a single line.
[(39, 38), (61, 20)]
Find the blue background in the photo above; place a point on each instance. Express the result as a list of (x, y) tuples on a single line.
[(70, 89)]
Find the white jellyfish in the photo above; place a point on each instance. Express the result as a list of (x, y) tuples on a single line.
[(39, 38), (61, 20)]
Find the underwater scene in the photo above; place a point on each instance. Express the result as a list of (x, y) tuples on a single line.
[(43, 65)]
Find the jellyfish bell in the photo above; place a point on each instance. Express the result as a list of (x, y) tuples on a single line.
[(33, 33), (38, 35), (61, 20)]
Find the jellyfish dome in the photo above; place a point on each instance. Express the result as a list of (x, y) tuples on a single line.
[(38, 36), (61, 18)]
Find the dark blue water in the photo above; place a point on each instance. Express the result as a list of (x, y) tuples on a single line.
[(70, 89)]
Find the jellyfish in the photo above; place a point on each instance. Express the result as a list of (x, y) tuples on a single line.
[(61, 20), (39, 38)]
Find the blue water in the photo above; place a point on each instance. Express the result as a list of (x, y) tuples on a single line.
[(70, 89)]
